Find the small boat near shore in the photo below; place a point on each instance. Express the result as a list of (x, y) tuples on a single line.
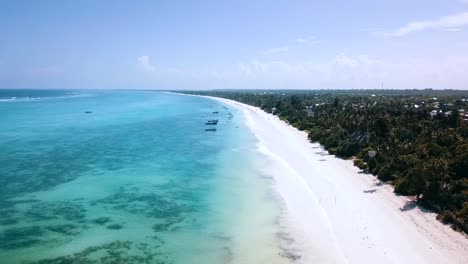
[(212, 122)]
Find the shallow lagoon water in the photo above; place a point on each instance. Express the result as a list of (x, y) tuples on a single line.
[(136, 180)]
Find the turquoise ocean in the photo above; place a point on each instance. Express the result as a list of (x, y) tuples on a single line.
[(131, 177)]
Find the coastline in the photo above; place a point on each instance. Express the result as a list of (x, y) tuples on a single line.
[(336, 214)]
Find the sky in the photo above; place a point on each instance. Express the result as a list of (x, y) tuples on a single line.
[(212, 44)]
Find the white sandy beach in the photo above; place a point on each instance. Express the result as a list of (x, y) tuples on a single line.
[(335, 214)]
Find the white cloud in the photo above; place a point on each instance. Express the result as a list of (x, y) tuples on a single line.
[(245, 69), (342, 59), (215, 74), (300, 40), (453, 29), (446, 22), (277, 50), (297, 42), (342, 71), (145, 64), (305, 40)]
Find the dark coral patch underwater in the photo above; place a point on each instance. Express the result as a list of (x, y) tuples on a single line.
[(116, 252)]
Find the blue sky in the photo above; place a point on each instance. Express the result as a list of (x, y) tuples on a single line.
[(234, 44)]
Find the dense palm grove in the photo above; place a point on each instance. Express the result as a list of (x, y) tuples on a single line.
[(416, 140)]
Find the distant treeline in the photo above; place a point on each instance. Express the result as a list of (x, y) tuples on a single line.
[(413, 139)]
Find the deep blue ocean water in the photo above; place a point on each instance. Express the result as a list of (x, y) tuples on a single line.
[(129, 177)]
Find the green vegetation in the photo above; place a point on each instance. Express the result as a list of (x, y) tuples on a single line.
[(413, 139)]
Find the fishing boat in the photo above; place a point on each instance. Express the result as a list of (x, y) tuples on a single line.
[(210, 129), (212, 122)]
